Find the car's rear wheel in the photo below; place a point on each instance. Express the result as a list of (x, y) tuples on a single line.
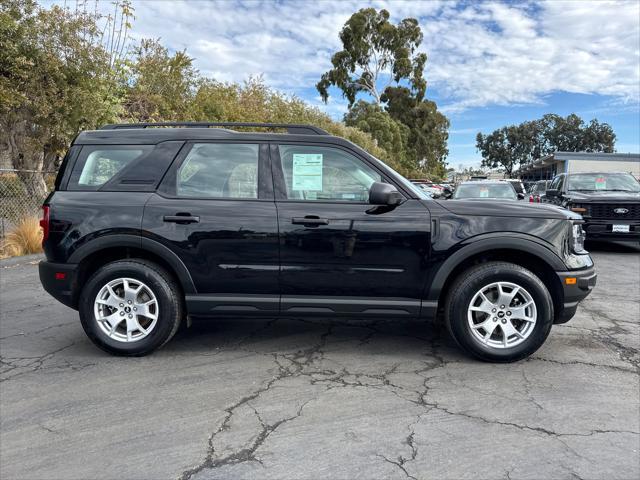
[(499, 312), (130, 307)]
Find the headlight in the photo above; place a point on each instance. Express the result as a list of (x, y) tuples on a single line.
[(578, 208), (577, 239)]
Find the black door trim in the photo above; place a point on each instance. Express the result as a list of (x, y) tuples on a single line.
[(236, 304), (349, 306)]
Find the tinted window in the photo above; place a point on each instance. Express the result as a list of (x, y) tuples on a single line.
[(517, 185), (97, 165), (325, 173), (219, 170), (485, 190), (554, 183)]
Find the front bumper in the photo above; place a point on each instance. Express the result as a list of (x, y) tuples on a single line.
[(597, 229), (575, 291), (58, 279)]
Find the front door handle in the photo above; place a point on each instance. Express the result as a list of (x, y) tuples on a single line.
[(181, 218), (310, 221)]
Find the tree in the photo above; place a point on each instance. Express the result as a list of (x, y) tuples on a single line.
[(253, 101), (401, 121), (571, 134), (509, 147), (159, 86), (56, 81), (372, 47), (389, 134), (428, 131), (504, 148)]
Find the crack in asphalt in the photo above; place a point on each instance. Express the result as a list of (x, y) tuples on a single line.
[(35, 332), (299, 363), (626, 353), (331, 374), (35, 364), (399, 464), (579, 362), (300, 359)]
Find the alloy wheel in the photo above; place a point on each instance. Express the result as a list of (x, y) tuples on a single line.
[(126, 310), (502, 315)]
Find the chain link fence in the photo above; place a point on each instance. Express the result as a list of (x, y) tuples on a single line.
[(21, 195)]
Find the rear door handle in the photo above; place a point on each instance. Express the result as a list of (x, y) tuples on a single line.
[(310, 221), (181, 218)]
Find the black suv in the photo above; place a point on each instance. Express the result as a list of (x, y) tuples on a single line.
[(608, 201), (149, 226)]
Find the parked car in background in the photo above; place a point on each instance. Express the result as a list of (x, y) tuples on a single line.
[(528, 185), (518, 186), (434, 191), (148, 227), (485, 190), (608, 202), (538, 191)]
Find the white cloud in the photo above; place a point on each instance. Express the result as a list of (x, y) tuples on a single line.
[(480, 54), (499, 54)]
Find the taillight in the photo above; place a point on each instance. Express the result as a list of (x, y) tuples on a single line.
[(530, 198), (44, 222)]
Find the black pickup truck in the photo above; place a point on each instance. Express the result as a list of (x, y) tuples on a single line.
[(148, 226), (609, 202)]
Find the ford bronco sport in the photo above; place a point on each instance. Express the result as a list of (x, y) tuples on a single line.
[(149, 226)]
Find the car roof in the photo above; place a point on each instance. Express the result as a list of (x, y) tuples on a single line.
[(149, 134)]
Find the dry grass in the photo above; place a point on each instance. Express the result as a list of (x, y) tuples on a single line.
[(23, 239)]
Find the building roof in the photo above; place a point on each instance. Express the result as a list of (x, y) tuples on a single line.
[(567, 156)]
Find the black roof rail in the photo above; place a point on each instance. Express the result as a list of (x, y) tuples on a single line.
[(290, 127)]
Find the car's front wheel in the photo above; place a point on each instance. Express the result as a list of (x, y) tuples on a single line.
[(130, 307), (499, 312)]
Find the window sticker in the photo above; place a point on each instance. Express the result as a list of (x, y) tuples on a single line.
[(307, 171), (601, 183)]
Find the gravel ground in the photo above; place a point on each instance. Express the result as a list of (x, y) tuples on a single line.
[(319, 399)]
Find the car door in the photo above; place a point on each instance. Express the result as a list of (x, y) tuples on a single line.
[(339, 254), (215, 209)]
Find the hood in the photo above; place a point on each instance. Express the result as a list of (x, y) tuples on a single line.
[(501, 208), (603, 197)]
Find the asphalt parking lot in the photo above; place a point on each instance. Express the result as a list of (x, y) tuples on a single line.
[(320, 399)]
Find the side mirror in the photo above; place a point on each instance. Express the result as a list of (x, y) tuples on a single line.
[(551, 193), (447, 193), (384, 194), (521, 196)]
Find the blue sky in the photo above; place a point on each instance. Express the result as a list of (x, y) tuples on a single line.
[(490, 64)]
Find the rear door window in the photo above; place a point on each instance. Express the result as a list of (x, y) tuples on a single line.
[(96, 165), (219, 170)]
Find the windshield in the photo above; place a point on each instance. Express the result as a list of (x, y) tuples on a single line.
[(485, 190), (603, 182)]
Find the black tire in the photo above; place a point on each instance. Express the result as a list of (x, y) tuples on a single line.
[(163, 286), (471, 281)]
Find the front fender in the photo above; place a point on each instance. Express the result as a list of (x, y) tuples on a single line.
[(487, 243)]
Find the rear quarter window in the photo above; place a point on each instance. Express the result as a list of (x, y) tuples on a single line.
[(96, 165)]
